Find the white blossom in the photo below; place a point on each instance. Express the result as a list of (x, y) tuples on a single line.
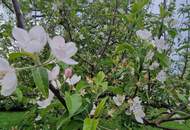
[(63, 51), (119, 99), (53, 75), (8, 79), (32, 41), (136, 108), (161, 44), (73, 80), (144, 34), (154, 65), (46, 102), (161, 76)]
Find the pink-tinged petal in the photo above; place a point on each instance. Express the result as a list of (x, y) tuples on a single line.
[(34, 46), (70, 48), (58, 42), (69, 61), (20, 35), (4, 65), (52, 75), (38, 33), (8, 83), (46, 102)]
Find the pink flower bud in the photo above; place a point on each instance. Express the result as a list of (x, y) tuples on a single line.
[(68, 72)]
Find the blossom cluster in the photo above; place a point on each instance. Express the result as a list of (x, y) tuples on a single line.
[(34, 42), (160, 45)]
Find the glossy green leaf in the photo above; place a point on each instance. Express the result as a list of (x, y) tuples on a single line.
[(100, 77), (90, 124), (73, 102), (40, 77)]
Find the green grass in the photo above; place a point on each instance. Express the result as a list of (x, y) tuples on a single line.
[(9, 119)]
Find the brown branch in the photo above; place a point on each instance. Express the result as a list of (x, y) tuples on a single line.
[(20, 23), (58, 95), (19, 16)]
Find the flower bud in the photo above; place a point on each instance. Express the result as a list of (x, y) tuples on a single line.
[(68, 72)]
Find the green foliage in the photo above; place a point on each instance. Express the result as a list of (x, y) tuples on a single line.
[(90, 124), (73, 102), (40, 77)]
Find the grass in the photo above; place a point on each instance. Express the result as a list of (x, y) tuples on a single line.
[(9, 119)]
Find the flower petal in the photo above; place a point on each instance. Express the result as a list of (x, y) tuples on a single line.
[(52, 75), (38, 33), (57, 42), (73, 80), (20, 35), (69, 61), (70, 48), (8, 83), (46, 102), (4, 64)]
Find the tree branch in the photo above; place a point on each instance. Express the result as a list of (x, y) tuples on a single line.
[(20, 23), (58, 95), (19, 16)]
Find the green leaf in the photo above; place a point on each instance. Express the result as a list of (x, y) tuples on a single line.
[(164, 60), (73, 102), (19, 94), (90, 124), (100, 108), (100, 77), (14, 55), (124, 47), (62, 122), (139, 5), (40, 77), (81, 85)]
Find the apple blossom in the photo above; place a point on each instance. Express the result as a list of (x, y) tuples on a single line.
[(136, 108), (53, 75), (119, 99), (144, 34), (160, 44), (8, 79), (63, 51), (73, 80), (161, 76), (32, 41), (46, 102)]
